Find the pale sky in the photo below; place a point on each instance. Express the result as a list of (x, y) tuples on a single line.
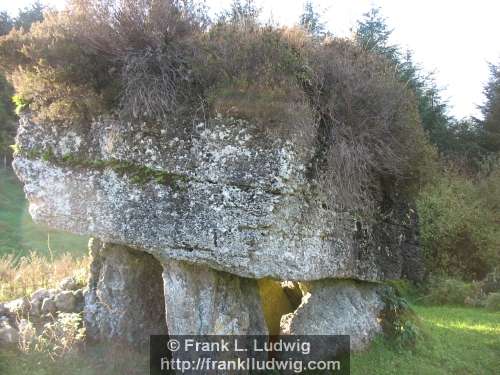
[(452, 38)]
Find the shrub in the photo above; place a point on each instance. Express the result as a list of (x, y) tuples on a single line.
[(459, 224), (493, 302), (59, 78), (152, 45), (451, 291), (399, 322), (7, 116), (491, 283), (369, 123)]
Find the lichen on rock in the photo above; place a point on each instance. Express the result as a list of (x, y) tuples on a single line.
[(242, 203)]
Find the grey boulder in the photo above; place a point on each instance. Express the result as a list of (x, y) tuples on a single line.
[(338, 307)]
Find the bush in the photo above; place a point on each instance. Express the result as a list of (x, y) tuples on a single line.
[(459, 224), (451, 291), (370, 126), (399, 323), (7, 116), (493, 302), (151, 44), (59, 79), (491, 283)]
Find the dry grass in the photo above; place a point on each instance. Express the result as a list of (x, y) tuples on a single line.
[(64, 334), (21, 278)]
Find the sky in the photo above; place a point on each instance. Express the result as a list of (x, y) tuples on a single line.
[(454, 39)]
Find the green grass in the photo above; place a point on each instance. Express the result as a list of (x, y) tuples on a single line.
[(19, 234), (456, 341), (99, 359)]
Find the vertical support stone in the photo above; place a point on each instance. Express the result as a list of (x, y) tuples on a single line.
[(124, 300), (337, 307), (202, 301)]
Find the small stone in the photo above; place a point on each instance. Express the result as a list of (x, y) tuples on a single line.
[(8, 335), (48, 306), (68, 283), (40, 294), (65, 301), (79, 300), (37, 298), (35, 307), (3, 309), (18, 306)]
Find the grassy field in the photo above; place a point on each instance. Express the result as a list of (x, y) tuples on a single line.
[(458, 341), (19, 234)]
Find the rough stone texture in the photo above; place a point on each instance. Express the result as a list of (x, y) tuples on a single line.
[(240, 202), (42, 308), (337, 307), (203, 301), (65, 301), (3, 309), (413, 266), (68, 283), (8, 334), (125, 296), (42, 293), (17, 307), (48, 306)]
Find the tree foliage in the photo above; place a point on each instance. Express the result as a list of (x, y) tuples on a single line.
[(6, 23), (310, 20), (29, 15), (373, 34), (24, 19), (490, 125)]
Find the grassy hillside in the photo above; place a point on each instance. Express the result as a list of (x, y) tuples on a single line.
[(19, 234)]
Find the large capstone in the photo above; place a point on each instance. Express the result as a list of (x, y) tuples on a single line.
[(220, 194), (124, 301)]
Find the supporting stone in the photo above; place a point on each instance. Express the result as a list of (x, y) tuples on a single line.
[(337, 307), (124, 301), (202, 301)]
